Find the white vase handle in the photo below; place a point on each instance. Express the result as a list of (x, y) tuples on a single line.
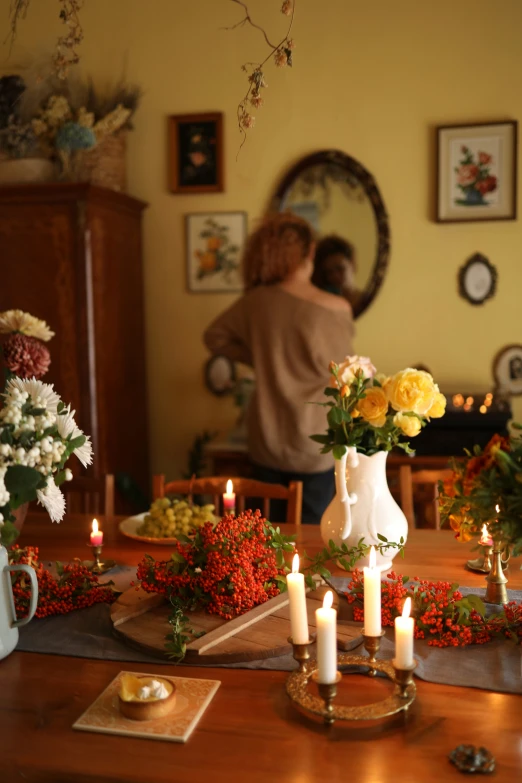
[(34, 594), (347, 499)]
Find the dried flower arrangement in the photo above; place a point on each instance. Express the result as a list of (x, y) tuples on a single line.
[(281, 53), (62, 120), (66, 53)]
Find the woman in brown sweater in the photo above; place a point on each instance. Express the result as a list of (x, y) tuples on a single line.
[(288, 331)]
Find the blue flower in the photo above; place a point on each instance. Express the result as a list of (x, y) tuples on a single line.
[(72, 136)]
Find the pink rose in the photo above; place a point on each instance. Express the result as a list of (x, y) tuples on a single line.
[(353, 365), (467, 174), (484, 158)]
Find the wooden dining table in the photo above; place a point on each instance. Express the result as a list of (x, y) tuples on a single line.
[(250, 731)]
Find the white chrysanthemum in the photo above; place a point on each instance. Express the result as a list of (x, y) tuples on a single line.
[(18, 321), (67, 426), (52, 500), (84, 453), (42, 395)]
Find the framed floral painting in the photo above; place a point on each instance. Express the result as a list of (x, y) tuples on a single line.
[(196, 153), (214, 243), (477, 172)]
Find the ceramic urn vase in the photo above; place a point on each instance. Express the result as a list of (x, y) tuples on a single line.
[(363, 506)]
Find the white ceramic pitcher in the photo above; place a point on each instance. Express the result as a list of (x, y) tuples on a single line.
[(9, 625), (363, 506)]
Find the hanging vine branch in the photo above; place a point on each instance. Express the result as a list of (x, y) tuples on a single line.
[(66, 53), (280, 52)]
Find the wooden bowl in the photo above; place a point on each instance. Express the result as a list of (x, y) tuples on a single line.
[(149, 710)]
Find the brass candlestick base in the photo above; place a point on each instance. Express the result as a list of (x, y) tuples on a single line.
[(327, 692), (100, 566), (372, 645), (301, 653), (323, 705), (404, 678), (482, 564), (496, 591)]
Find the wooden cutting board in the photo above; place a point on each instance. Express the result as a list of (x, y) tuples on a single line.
[(140, 619)]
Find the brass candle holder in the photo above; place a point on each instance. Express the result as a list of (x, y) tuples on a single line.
[(100, 566), (496, 591), (301, 653), (482, 564), (297, 685)]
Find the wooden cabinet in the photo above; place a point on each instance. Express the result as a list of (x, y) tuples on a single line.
[(72, 255)]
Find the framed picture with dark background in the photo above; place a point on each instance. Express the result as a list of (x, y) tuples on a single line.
[(196, 153)]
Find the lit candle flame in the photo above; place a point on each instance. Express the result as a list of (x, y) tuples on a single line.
[(497, 508), (373, 557), (295, 564), (406, 609), (328, 600), (95, 526), (230, 487)]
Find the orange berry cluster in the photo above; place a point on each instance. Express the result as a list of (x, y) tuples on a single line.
[(227, 569), (76, 587), (438, 611)]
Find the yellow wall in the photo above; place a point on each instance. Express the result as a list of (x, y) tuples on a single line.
[(370, 78)]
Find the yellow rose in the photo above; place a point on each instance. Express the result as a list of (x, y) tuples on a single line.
[(374, 407), (412, 390), (345, 391), (438, 409), (410, 425)]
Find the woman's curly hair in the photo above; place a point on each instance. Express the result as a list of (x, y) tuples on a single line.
[(275, 249)]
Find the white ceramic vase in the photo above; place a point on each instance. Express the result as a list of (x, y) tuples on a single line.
[(363, 506), (9, 625)]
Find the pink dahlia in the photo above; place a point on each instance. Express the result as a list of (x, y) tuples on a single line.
[(25, 356)]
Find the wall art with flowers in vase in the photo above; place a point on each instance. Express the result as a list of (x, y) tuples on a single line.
[(477, 172), (368, 414)]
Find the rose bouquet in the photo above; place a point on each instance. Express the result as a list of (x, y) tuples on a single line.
[(373, 412), (486, 488)]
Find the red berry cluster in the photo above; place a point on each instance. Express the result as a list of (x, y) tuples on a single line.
[(75, 588), (228, 569), (442, 615)]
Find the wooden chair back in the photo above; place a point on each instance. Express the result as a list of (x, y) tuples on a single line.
[(409, 478), (90, 495), (243, 487)]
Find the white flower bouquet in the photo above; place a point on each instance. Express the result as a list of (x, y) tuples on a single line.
[(38, 434)]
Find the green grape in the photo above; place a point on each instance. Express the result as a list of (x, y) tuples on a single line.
[(171, 518)]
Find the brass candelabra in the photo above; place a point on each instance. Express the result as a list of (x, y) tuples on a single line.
[(297, 685)]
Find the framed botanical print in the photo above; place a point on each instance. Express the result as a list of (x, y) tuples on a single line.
[(196, 153), (477, 172), (214, 243)]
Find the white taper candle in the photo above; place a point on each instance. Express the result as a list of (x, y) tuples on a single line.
[(297, 595), (326, 622), (404, 638), (372, 598)]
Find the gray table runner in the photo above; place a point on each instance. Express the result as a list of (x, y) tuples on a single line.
[(87, 633)]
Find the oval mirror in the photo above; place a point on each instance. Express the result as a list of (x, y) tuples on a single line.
[(340, 199)]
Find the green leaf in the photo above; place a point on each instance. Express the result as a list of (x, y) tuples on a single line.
[(331, 392), (22, 482), (309, 581), (8, 534), (334, 417), (382, 538), (177, 557), (320, 438), (339, 451)]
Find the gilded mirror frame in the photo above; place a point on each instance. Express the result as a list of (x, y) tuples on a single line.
[(355, 172)]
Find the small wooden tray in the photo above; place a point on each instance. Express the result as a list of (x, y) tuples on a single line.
[(192, 698), (140, 619)]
